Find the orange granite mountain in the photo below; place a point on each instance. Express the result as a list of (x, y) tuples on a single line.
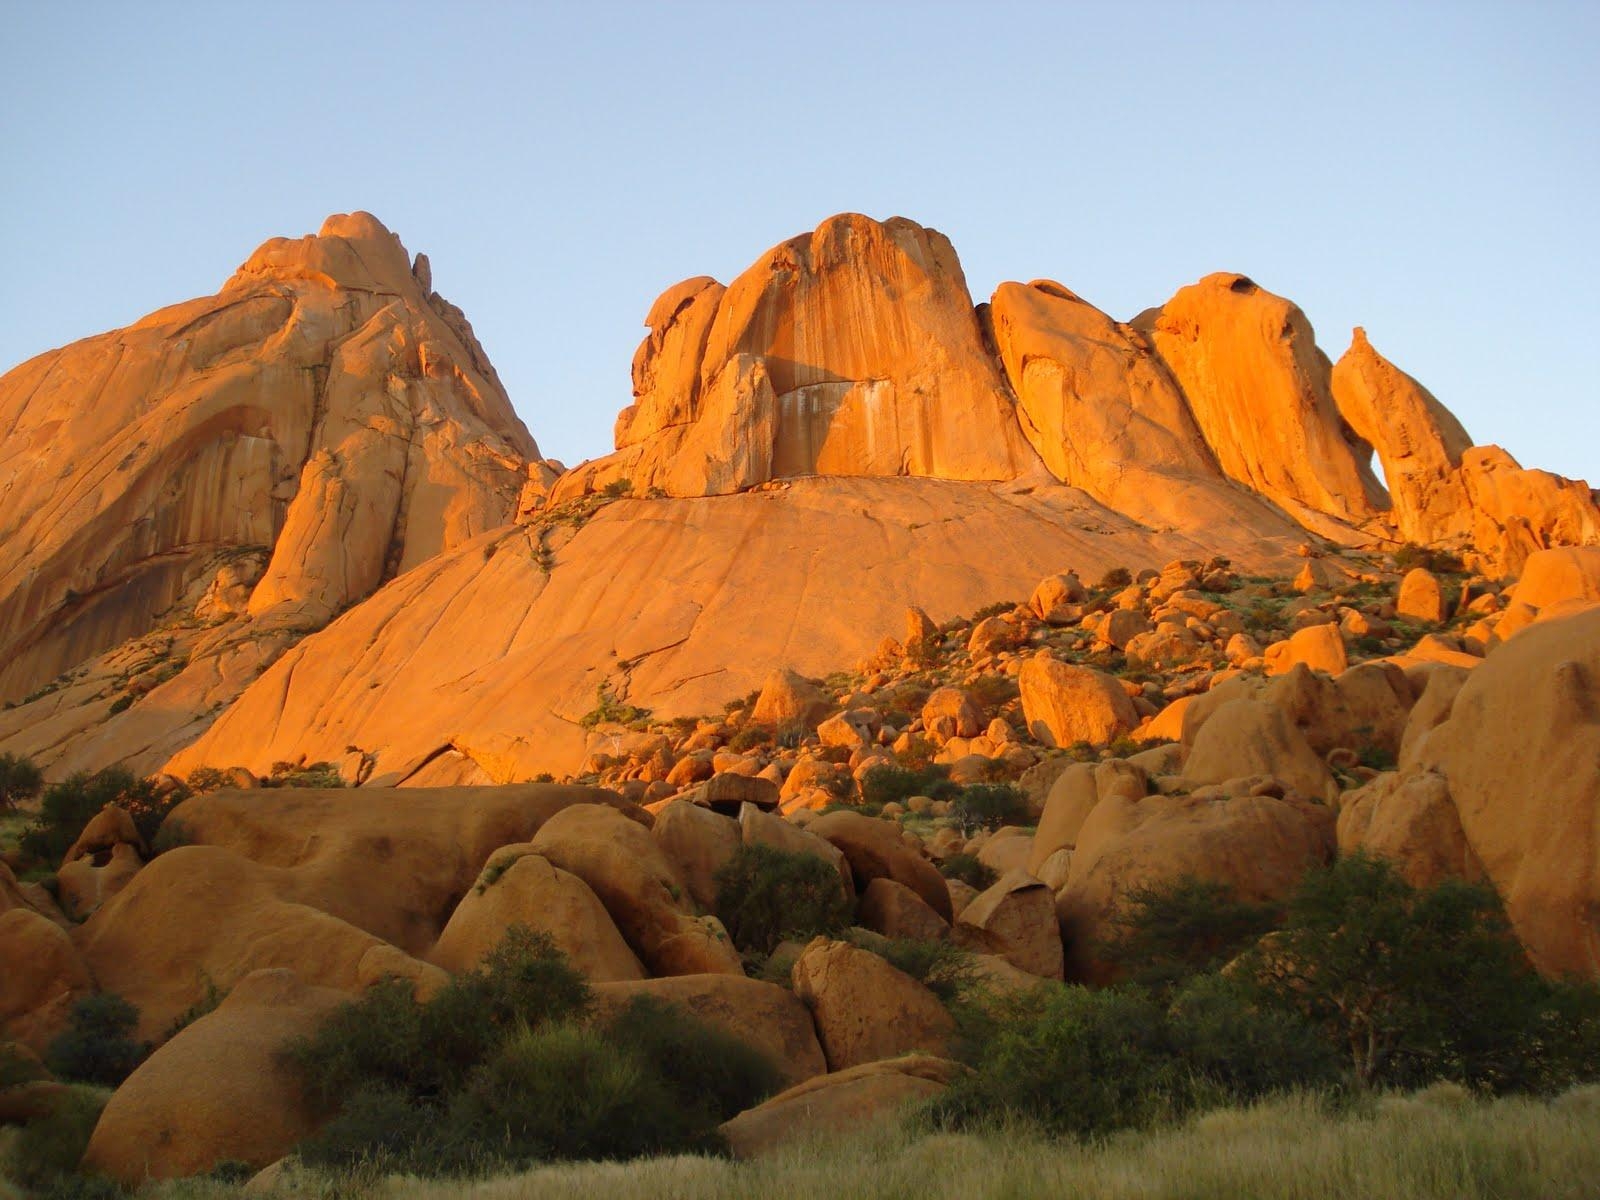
[(299, 520)]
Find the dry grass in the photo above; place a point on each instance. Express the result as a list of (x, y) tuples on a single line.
[(1436, 1145)]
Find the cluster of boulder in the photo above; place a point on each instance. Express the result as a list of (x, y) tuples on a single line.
[(1183, 722)]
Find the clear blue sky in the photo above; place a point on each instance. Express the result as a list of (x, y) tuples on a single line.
[(1430, 171)]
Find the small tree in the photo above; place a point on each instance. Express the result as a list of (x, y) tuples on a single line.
[(97, 1045), (765, 895), (988, 806), (1171, 931), (19, 780), (1412, 984)]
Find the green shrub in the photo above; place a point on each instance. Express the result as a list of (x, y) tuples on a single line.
[(883, 785), (16, 1067), (307, 775), (609, 710), (19, 780), (944, 968), (713, 1073), (67, 806), (97, 1046), (1244, 1049), (988, 806), (1115, 579), (498, 1071), (1074, 1061), (969, 870), (751, 737), (766, 895), (1169, 932), (1413, 985), (44, 1156), (205, 779), (387, 1042)]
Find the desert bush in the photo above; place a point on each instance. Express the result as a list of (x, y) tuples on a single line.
[(969, 870), (988, 806), (500, 1069), (1169, 932), (45, 1154), (16, 1067), (304, 775), (20, 780), (1074, 1061), (97, 1046), (1418, 984), (884, 785), (944, 968), (1115, 579), (751, 737), (1244, 1049), (66, 807), (766, 895), (205, 779), (1441, 562)]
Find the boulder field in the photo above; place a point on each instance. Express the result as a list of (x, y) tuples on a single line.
[(293, 512)]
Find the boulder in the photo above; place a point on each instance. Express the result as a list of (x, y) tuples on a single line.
[(222, 917), (757, 828), (218, 1092), (43, 976), (874, 849), (1258, 846), (107, 829), (1320, 647), (1254, 737), (1015, 918), (82, 886), (790, 699), (896, 911), (1559, 576), (645, 895), (763, 1015), (698, 842), (1009, 848), (1072, 798), (392, 862), (1421, 597), (949, 712), (519, 887), (838, 1104), (864, 1008), (1520, 754), (1410, 820), (1064, 704), (1058, 599)]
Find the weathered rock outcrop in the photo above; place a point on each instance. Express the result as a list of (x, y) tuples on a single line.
[(251, 462), (1520, 754), (1445, 490), (1258, 388), (851, 350)]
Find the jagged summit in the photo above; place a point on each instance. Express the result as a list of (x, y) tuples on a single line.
[(271, 455), (856, 350)]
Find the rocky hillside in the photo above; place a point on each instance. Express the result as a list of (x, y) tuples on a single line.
[(838, 434)]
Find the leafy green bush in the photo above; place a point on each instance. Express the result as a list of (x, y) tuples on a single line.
[(1074, 1061), (499, 1071), (944, 968), (386, 1040), (97, 1046), (1244, 1049), (304, 775), (883, 785), (969, 870), (44, 1156), (20, 780), (988, 806), (1169, 932), (766, 895), (1415, 985), (609, 710), (68, 806)]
